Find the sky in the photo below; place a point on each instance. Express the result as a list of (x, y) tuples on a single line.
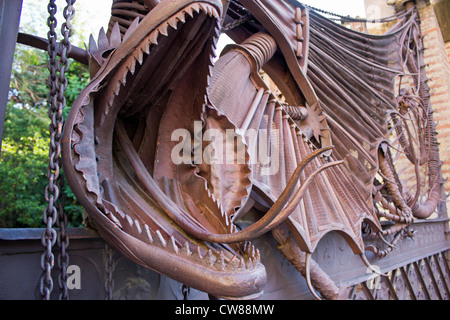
[(344, 7), (352, 8), (91, 15), (95, 13)]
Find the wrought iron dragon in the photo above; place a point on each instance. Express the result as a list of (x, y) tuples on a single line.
[(354, 138)]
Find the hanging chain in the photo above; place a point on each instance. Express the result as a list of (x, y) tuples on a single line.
[(185, 290), (63, 239), (51, 192), (343, 18), (54, 212), (109, 269), (236, 23)]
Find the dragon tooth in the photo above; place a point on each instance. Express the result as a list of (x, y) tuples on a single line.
[(132, 66), (203, 7), (196, 7), (129, 220), (258, 256), (248, 264), (214, 42), (233, 264), (251, 251), (210, 257), (140, 58), (227, 222), (124, 79), (210, 70), (215, 14), (217, 31), (212, 12), (114, 219), (185, 249), (173, 22), (198, 254), (146, 47), (154, 38), (220, 261), (241, 265), (163, 29), (116, 92), (137, 226), (190, 11), (209, 11), (174, 245), (159, 239), (182, 16), (149, 235)]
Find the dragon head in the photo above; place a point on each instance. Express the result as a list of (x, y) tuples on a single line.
[(147, 82)]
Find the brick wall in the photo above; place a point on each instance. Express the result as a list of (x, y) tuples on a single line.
[(437, 59)]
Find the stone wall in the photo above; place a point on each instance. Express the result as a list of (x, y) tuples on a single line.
[(437, 60)]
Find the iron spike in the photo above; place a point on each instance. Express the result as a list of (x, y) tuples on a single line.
[(149, 235), (174, 245), (159, 239)]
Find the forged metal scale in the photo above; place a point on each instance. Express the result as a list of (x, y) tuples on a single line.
[(153, 75)]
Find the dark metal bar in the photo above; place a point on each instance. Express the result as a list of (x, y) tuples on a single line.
[(441, 273), (421, 280), (388, 281), (407, 282), (9, 26), (433, 279), (75, 53), (444, 258), (367, 291)]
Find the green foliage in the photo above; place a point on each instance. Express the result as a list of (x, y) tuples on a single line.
[(24, 152)]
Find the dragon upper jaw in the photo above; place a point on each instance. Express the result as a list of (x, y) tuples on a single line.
[(120, 205)]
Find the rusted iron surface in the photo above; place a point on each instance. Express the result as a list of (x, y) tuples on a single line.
[(167, 149)]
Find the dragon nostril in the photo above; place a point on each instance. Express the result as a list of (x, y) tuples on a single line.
[(107, 53)]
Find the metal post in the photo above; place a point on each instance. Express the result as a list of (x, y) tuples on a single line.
[(9, 26)]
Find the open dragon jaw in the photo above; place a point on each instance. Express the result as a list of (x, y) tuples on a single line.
[(166, 149)]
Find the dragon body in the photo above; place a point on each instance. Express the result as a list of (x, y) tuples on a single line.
[(162, 146)]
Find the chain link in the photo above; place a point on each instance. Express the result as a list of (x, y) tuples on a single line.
[(109, 269), (54, 212), (343, 18), (63, 240), (49, 236), (185, 290), (236, 23)]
